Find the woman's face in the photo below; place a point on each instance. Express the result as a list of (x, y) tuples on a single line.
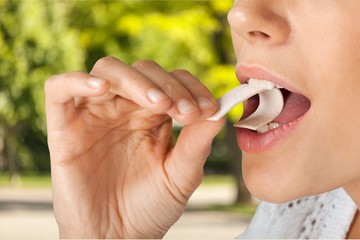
[(312, 48)]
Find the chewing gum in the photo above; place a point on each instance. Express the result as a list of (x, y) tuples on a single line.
[(271, 103), (240, 94)]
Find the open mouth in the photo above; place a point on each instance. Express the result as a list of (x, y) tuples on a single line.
[(267, 105), (295, 106)]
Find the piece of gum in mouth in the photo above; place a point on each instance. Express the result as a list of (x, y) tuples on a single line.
[(271, 103)]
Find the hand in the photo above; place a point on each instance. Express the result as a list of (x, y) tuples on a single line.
[(116, 172)]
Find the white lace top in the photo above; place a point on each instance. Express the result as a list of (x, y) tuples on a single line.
[(328, 215)]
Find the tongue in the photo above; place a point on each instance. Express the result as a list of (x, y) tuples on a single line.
[(250, 106), (295, 106)]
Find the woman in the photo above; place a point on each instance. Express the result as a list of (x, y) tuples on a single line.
[(116, 172)]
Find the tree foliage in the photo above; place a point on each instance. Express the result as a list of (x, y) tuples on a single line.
[(42, 38)]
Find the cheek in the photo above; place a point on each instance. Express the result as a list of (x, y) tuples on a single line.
[(336, 99), (332, 52), (339, 123)]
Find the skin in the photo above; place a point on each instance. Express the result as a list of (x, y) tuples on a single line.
[(314, 45), (111, 145), (295, 41), (116, 172)]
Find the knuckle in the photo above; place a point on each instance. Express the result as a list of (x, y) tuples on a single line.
[(49, 83), (144, 64), (181, 72), (186, 76), (75, 74), (104, 61), (171, 88), (52, 84)]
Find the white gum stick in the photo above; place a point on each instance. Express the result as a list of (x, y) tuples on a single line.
[(240, 94), (271, 105)]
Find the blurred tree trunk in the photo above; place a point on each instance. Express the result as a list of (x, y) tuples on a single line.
[(235, 155), (10, 154)]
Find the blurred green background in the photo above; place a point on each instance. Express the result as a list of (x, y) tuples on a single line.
[(42, 38)]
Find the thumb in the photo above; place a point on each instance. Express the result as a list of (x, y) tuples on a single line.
[(191, 151)]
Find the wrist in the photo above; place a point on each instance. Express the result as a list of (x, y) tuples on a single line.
[(82, 232)]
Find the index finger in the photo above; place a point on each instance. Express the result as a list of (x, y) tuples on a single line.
[(60, 93), (131, 84)]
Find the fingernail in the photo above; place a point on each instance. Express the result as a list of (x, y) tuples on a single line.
[(205, 103), (95, 83), (156, 95), (185, 106)]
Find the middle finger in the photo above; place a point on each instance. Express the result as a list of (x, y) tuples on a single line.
[(185, 108)]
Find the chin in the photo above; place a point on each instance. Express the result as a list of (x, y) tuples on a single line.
[(272, 195), (276, 197), (272, 183)]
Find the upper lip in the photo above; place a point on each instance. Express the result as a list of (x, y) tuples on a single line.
[(244, 73)]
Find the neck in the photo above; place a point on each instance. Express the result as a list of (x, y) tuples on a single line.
[(353, 189)]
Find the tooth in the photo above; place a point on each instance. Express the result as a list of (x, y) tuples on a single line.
[(256, 83), (267, 127), (271, 105), (263, 129), (274, 125), (240, 94), (278, 86)]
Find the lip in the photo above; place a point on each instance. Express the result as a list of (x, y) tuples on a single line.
[(244, 73), (253, 142)]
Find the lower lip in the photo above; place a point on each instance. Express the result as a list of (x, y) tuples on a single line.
[(252, 142)]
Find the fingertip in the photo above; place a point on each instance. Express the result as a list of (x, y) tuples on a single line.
[(186, 107), (216, 125), (97, 83), (156, 96), (158, 101), (206, 104)]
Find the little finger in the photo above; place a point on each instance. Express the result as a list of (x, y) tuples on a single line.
[(128, 83)]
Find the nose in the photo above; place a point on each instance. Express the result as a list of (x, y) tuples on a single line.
[(259, 22)]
